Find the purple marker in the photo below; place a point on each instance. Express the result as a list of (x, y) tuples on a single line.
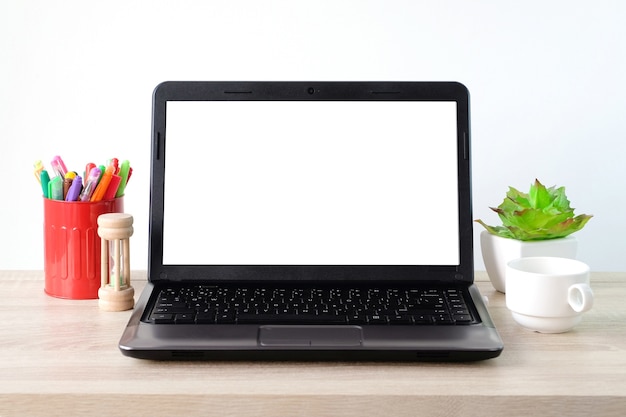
[(74, 192)]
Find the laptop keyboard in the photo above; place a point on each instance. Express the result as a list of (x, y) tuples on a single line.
[(206, 304)]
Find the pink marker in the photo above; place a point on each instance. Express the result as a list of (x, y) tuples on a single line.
[(90, 185), (59, 166)]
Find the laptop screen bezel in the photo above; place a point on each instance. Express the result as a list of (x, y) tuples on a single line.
[(318, 91)]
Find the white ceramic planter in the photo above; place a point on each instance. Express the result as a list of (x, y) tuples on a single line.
[(498, 251)]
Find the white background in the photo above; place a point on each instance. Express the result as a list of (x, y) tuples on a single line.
[(547, 82)]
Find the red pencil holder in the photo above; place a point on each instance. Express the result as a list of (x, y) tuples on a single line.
[(72, 246)]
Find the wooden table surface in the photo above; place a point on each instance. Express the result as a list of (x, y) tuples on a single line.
[(60, 357)]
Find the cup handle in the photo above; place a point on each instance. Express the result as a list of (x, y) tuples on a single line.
[(580, 297)]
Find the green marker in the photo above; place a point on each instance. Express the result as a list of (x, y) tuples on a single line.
[(45, 179), (124, 169), (55, 188)]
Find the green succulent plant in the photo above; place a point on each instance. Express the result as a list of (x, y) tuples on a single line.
[(543, 213)]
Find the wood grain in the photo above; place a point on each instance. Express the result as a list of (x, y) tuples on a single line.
[(60, 357)]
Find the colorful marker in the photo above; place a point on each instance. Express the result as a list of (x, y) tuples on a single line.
[(44, 179), (88, 169), (38, 169), (115, 162), (55, 188), (67, 183), (74, 192), (124, 173), (101, 189), (58, 166), (113, 186), (92, 182)]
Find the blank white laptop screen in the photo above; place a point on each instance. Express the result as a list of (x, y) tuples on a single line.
[(311, 183)]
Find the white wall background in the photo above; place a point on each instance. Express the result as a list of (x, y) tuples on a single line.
[(547, 78)]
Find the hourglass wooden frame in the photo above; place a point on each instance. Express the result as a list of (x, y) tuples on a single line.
[(115, 293)]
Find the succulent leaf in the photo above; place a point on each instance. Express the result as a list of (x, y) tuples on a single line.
[(539, 196), (543, 213)]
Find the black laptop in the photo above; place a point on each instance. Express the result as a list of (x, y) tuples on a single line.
[(310, 221)]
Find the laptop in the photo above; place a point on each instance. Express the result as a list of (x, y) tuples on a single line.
[(310, 221)]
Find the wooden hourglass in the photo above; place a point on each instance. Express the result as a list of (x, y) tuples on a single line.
[(115, 293)]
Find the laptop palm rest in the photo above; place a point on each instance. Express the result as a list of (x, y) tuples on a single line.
[(289, 336)]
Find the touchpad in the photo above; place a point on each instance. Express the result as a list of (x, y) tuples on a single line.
[(310, 336)]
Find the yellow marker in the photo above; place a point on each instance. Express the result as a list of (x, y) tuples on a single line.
[(71, 175), (38, 168)]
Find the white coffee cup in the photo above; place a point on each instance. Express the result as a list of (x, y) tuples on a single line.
[(548, 294)]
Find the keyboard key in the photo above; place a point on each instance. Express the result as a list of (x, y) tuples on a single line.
[(357, 319), (172, 310), (160, 318), (290, 319), (442, 319), (171, 304), (400, 319), (184, 318), (225, 318), (376, 319), (462, 318), (423, 319), (205, 318)]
